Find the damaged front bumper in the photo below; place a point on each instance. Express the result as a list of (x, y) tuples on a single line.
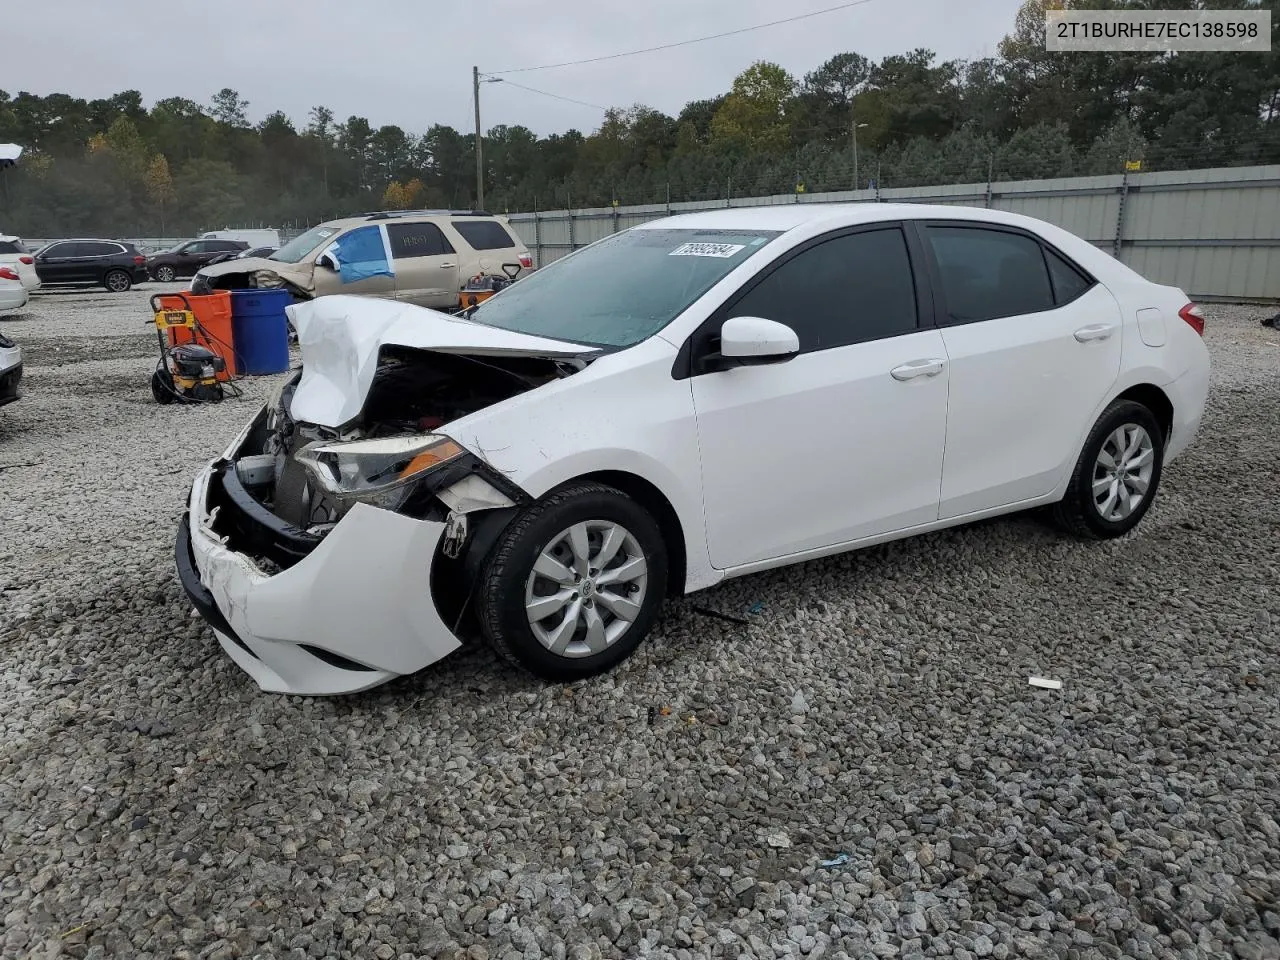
[(9, 380), (352, 609)]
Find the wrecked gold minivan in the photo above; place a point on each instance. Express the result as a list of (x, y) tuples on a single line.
[(423, 257)]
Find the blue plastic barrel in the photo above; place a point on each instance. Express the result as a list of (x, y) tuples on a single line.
[(260, 330)]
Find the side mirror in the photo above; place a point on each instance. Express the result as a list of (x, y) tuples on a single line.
[(754, 340)]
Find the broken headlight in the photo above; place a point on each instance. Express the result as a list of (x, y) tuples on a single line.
[(378, 472)]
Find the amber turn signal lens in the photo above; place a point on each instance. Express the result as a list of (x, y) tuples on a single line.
[(432, 456)]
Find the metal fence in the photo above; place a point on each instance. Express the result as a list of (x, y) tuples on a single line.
[(1214, 233)]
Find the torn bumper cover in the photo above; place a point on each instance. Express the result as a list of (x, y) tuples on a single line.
[(352, 611)]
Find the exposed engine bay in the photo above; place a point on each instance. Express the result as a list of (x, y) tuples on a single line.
[(414, 391)]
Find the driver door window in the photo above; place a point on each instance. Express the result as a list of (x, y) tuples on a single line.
[(360, 256), (847, 290)]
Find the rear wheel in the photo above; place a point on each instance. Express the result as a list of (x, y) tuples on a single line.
[(574, 584), (165, 274), (1117, 474), (117, 281)]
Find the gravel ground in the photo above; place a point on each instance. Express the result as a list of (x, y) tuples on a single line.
[(873, 711)]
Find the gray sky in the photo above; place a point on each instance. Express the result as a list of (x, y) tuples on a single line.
[(409, 62)]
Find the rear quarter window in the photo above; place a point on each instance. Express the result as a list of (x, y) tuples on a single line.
[(484, 234)]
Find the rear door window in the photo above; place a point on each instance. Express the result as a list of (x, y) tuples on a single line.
[(484, 234), (988, 274), (1068, 282), (849, 289), (410, 240)]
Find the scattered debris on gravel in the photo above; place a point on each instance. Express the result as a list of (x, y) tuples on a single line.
[(857, 768)]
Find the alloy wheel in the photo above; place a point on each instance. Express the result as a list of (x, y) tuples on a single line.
[(1122, 472), (586, 589)]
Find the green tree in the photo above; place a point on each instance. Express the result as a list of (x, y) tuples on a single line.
[(229, 108), (754, 114)]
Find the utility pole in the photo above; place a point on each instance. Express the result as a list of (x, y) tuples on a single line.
[(475, 89)]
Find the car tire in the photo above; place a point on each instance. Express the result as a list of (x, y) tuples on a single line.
[(1116, 478), (166, 274), (117, 281), (573, 641), (162, 387)]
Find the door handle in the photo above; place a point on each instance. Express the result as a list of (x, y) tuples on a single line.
[(1095, 331), (917, 368), (446, 266)]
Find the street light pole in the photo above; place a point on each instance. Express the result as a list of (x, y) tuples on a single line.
[(855, 125)]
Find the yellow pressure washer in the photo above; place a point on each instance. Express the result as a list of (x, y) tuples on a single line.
[(483, 286), (186, 372)]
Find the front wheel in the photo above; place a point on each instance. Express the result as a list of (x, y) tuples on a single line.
[(574, 583), (165, 274), (117, 281), (1117, 474)]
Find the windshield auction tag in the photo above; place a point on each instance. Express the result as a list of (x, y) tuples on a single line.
[(722, 250)]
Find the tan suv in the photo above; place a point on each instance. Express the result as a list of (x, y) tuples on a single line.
[(423, 257)]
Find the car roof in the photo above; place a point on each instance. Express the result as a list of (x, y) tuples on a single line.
[(343, 223), (789, 216)]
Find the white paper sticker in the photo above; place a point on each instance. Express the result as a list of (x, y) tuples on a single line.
[(722, 250)]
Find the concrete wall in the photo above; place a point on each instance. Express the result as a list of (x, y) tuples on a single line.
[(1214, 233)]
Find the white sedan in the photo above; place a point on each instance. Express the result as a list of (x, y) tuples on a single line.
[(694, 399), (13, 292), (10, 370)]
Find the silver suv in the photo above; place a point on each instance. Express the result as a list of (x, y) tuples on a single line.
[(423, 257)]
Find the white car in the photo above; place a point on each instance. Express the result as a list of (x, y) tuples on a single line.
[(13, 294), (694, 399), (10, 370), (15, 256)]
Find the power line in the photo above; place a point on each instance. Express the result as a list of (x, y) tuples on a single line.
[(682, 43), (555, 96)]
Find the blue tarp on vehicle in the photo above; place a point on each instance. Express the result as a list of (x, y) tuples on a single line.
[(361, 254)]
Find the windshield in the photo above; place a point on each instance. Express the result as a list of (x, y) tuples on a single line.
[(296, 249), (623, 289)]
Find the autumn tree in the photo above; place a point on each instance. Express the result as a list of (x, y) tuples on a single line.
[(394, 197), (414, 192), (159, 186)]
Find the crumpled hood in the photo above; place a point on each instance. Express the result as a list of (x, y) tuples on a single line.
[(340, 337), (299, 274)]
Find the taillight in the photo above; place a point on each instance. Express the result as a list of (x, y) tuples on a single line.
[(1192, 314), (140, 261), (29, 261), (526, 261), (6, 273)]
